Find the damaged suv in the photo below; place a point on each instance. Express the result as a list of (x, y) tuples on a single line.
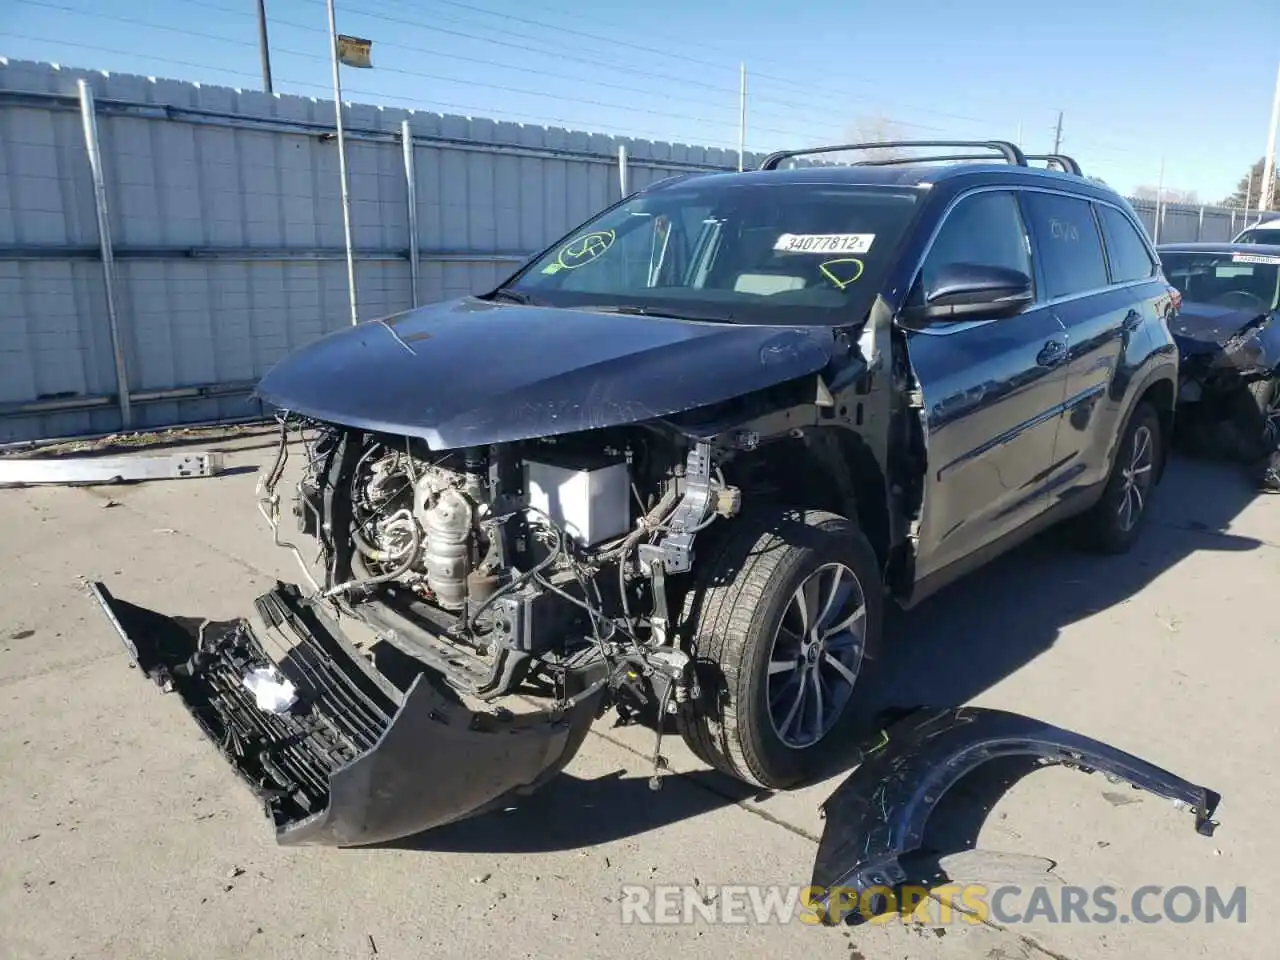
[(675, 465)]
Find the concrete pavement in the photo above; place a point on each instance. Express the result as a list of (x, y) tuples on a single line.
[(126, 835)]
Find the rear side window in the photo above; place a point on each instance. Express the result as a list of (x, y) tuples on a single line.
[(1069, 244), (986, 229), (1128, 254)]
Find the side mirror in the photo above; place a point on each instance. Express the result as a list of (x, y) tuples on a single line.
[(974, 291)]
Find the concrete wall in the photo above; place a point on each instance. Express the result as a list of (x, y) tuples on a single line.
[(226, 222)]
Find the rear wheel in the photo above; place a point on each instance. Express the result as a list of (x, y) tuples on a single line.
[(782, 621), (1113, 524)]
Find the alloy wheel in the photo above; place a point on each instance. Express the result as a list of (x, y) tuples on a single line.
[(816, 655), (1136, 476)]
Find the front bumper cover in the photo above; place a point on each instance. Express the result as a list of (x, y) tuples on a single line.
[(878, 814), (354, 761)]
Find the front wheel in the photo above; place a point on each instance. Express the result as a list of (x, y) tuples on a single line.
[(1113, 524), (782, 620)]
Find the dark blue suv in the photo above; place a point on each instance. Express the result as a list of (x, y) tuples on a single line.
[(678, 461)]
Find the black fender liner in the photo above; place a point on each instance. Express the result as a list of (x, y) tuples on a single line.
[(878, 814), (354, 761)]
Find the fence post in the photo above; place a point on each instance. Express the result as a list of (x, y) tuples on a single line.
[(622, 171), (90, 122), (1200, 224), (411, 190), (1233, 222)]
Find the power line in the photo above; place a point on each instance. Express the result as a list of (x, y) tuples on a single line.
[(643, 48), (562, 54), (397, 45), (415, 102), (418, 75), (525, 48), (613, 66)]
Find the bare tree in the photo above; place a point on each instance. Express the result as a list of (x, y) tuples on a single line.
[(1168, 195), (1251, 184), (876, 128)]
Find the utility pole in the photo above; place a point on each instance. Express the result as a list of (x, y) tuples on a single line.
[(342, 161), (263, 47), (1269, 167), (1159, 203), (1057, 135), (742, 115)]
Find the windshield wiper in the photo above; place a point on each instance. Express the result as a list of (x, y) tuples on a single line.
[(634, 310), (511, 296)]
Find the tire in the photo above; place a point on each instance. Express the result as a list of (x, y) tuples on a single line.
[(740, 601), (1109, 526)]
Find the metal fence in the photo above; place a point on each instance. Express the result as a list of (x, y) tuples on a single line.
[(223, 241), (163, 243), (1188, 223)]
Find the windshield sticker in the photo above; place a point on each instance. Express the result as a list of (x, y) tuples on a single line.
[(824, 242), (585, 249), (1253, 258), (842, 272)]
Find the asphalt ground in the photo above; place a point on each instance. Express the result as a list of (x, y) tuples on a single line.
[(125, 835)]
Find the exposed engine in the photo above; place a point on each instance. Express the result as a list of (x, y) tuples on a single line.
[(515, 565)]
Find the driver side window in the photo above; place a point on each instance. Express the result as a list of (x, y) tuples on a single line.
[(985, 229)]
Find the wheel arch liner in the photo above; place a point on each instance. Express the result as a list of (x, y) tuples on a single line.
[(354, 761), (879, 813)]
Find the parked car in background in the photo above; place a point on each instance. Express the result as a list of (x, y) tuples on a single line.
[(1267, 232), (1228, 336), (678, 462)]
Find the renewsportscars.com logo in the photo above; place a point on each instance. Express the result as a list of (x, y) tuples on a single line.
[(1006, 905)]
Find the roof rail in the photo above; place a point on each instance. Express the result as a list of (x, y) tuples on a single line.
[(1068, 164), (949, 157), (1010, 152)]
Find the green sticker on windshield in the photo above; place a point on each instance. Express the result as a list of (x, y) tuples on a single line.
[(841, 272), (553, 267), (585, 249)]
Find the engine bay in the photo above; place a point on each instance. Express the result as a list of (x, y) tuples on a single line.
[(507, 568)]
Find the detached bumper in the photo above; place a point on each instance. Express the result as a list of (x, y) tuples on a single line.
[(353, 761)]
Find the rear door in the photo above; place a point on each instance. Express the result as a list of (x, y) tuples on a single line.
[(1098, 279), (992, 392)]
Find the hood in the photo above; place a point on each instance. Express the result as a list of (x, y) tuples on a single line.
[(470, 372), (1204, 328)]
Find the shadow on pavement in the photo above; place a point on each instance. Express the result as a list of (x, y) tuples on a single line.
[(982, 629), (944, 653), (570, 813)]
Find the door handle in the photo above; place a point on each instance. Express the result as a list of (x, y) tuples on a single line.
[(1132, 321), (1052, 353)]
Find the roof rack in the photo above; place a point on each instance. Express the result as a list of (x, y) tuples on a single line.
[(1068, 164), (1010, 152)]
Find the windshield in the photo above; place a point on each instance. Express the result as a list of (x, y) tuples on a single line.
[(1244, 281), (1270, 234), (783, 253)]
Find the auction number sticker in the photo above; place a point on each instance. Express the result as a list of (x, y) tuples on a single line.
[(824, 242), (1253, 258)]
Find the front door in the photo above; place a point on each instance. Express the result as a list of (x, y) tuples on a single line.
[(992, 391)]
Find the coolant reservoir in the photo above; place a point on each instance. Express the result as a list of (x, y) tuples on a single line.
[(448, 527)]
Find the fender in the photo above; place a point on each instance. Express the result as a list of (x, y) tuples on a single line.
[(1162, 365), (878, 815)]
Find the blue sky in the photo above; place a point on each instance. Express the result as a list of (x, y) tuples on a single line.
[(1136, 79)]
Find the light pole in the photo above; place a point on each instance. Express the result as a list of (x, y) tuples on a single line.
[(1269, 166), (342, 161), (264, 49)]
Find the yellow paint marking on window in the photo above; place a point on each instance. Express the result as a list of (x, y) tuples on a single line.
[(841, 272), (585, 249)]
